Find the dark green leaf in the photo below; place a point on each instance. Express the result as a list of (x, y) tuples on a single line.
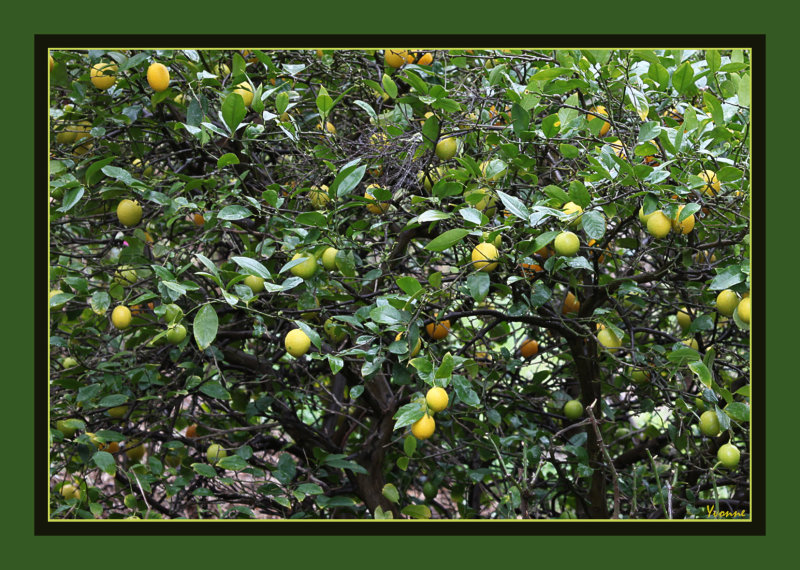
[(251, 266), (232, 463), (408, 414), (446, 240), (204, 470), (233, 111), (683, 78), (205, 326), (227, 159), (465, 392), (214, 389), (514, 205), (105, 461), (556, 193), (727, 278), (478, 284), (234, 213), (703, 374), (594, 224), (579, 194), (409, 285)]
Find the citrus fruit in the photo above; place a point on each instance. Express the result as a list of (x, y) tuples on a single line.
[(600, 110), (711, 182), (640, 376), (329, 258), (487, 201), (608, 339), (573, 409), (121, 317), (645, 217), (65, 427), (684, 319), (158, 76), (709, 423), (567, 244), (255, 283), (484, 256), (307, 268), (103, 75), (438, 330), (529, 348), (726, 303), (658, 225), (571, 208), (446, 148), (334, 330), (297, 343), (375, 208), (129, 212), (744, 310), (417, 346), (117, 412), (319, 196), (70, 491), (135, 450), (245, 90), (423, 428), (214, 453), (437, 399), (425, 59), (728, 454), (685, 226), (176, 333), (571, 304), (395, 57)]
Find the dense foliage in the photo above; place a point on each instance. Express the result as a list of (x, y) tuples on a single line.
[(181, 196)]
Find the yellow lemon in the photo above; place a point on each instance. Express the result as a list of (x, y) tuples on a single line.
[(727, 301), (437, 399), (121, 317), (297, 343), (395, 57), (158, 76), (380, 207), (103, 75), (446, 148), (484, 257), (712, 183), (743, 310), (658, 225), (600, 110), (246, 91), (423, 428), (129, 212), (685, 226)]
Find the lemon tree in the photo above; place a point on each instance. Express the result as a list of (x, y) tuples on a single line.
[(399, 282)]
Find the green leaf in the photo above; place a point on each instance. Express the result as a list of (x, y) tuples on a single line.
[(649, 131), (232, 463), (579, 194), (389, 86), (713, 59), (310, 489), (683, 78), (251, 266), (281, 102), (478, 284), (315, 219), (105, 461), (550, 73), (568, 150), (594, 224), (465, 392), (727, 278), (204, 470), (410, 445), (214, 389), (324, 101), (715, 107), (702, 372), (430, 132), (72, 197), (409, 285), (738, 411), (233, 111), (345, 464), (445, 369), (416, 82), (348, 178), (227, 159), (91, 176), (113, 400), (408, 414), (388, 315), (520, 118), (417, 511), (100, 302), (729, 174), (514, 205), (390, 492), (205, 326), (446, 240), (683, 356), (556, 193), (119, 174), (234, 213)]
